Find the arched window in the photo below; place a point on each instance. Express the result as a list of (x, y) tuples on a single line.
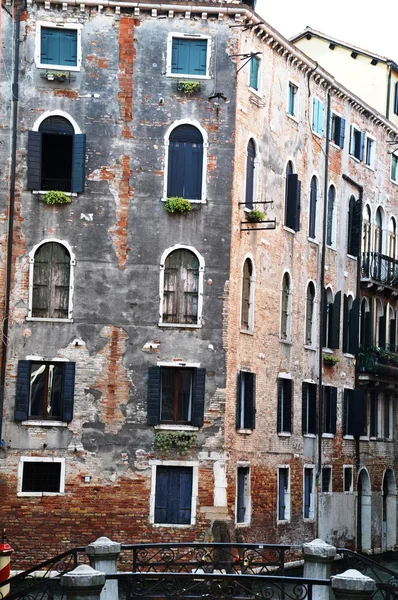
[(56, 156), (378, 232), (354, 222), (247, 296), (330, 216), (380, 325), (392, 238), (250, 174), (180, 288), (351, 324), (285, 307), (309, 315), (292, 198), (366, 335), (50, 281), (185, 163), (331, 319), (366, 241), (313, 201), (392, 329)]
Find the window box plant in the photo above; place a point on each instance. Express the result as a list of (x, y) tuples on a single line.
[(255, 216), (54, 197), (57, 76), (178, 441), (329, 360), (188, 87), (176, 204)]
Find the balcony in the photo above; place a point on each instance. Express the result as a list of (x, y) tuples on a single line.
[(377, 361), (380, 269)]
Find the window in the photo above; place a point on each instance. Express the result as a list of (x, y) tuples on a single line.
[(330, 216), (357, 139), (176, 395), (50, 286), (39, 476), (181, 281), (381, 416), (337, 130), (250, 174), (58, 47), (56, 156), (185, 163), (329, 409), (173, 495), (246, 322), (394, 170), (292, 99), (388, 417), (370, 151), (348, 479), (285, 395), (292, 199), (354, 227), (331, 319), (283, 494), (366, 240), (255, 73), (309, 314), (396, 99), (188, 56), (309, 493), (318, 110), (308, 408), (243, 495), (392, 238), (285, 307), (326, 480), (375, 402), (354, 407), (351, 325), (246, 400), (45, 390), (392, 331), (366, 335), (312, 212)]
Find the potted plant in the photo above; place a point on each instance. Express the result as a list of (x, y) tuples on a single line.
[(54, 197), (329, 360), (176, 204), (255, 216), (188, 87)]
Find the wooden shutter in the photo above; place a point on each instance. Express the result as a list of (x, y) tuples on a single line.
[(280, 399), (34, 160), (314, 114), (345, 424), (254, 67), (283, 486), (356, 412), (163, 493), (249, 401), (199, 397), (240, 495), (361, 142), (324, 318), (321, 114), (396, 99), (373, 415), (304, 407), (355, 230), (368, 337), (312, 428), (353, 341), (333, 409), (239, 425), (42, 281), (246, 283), (78, 162), (68, 48), (49, 46), (153, 399), (335, 323), (339, 131), (293, 202), (193, 169), (68, 391), (393, 335), (197, 57), (22, 390), (287, 406), (183, 483), (382, 330), (312, 215), (346, 323), (60, 281), (179, 56), (170, 288), (175, 172), (251, 153)]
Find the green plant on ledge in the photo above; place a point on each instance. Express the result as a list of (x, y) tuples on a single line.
[(188, 87), (54, 197), (176, 204), (255, 216), (166, 441), (329, 360)]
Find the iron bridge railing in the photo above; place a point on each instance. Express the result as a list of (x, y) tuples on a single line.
[(386, 579), (380, 267)]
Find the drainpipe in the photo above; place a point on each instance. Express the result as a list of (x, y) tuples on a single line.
[(14, 124), (388, 91), (358, 294)]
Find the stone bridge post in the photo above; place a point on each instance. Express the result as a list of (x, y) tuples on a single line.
[(352, 585), (83, 583), (318, 558), (103, 554)]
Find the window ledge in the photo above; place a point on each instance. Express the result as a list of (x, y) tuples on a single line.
[(287, 342), (364, 438), (319, 135), (327, 350), (311, 519), (40, 494), (174, 526), (42, 423), (313, 241), (246, 331), (355, 158), (187, 76), (395, 182), (349, 355), (58, 67), (286, 228), (293, 118), (244, 431), (312, 436), (282, 521), (49, 320), (334, 145), (176, 427), (246, 524), (180, 325), (312, 348), (164, 198), (43, 192), (328, 436), (331, 248), (284, 434), (256, 92), (351, 257), (348, 436), (370, 167)]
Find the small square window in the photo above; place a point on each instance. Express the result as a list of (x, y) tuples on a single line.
[(357, 140), (58, 47), (292, 100), (326, 480), (255, 73), (394, 169), (188, 56), (370, 151), (337, 130), (348, 480), (41, 476)]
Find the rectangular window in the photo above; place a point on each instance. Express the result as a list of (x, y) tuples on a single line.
[(388, 417), (243, 495), (246, 400), (285, 393), (41, 476), (396, 99), (348, 480), (354, 407), (326, 480), (293, 201), (318, 110), (292, 99), (337, 130), (255, 73), (283, 494), (45, 390), (329, 409), (309, 495), (58, 47), (357, 139), (370, 152), (308, 408), (173, 495), (394, 170), (189, 56)]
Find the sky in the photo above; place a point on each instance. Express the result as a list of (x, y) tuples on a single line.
[(369, 24)]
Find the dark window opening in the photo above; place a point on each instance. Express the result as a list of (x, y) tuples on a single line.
[(285, 393), (354, 227), (173, 496), (309, 315), (246, 308), (41, 476), (243, 495), (313, 201), (185, 169), (354, 409), (176, 395), (51, 282), (250, 169), (292, 199), (181, 288), (330, 214), (283, 494), (246, 400), (329, 409), (308, 408), (308, 493), (326, 479), (348, 479), (56, 162)]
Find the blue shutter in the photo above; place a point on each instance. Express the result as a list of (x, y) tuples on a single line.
[(361, 145), (304, 407), (314, 113), (197, 57), (153, 396), (34, 160), (332, 134), (396, 99), (321, 113), (239, 425), (163, 494), (334, 341), (287, 406), (175, 181), (250, 401), (251, 153), (49, 49), (340, 141), (68, 48), (292, 218), (183, 483), (180, 56), (193, 168), (22, 391), (199, 397), (68, 391), (254, 68), (333, 409), (78, 162)]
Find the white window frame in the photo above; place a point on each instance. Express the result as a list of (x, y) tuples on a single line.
[(200, 258), (72, 265), (194, 501), (196, 124), (350, 491), (335, 213), (248, 497), (330, 481), (287, 496), (188, 36), (288, 338), (353, 128), (313, 322), (251, 297), (395, 181), (371, 163), (311, 511), (256, 172), (68, 26), (296, 102), (25, 459), (286, 433), (259, 91)]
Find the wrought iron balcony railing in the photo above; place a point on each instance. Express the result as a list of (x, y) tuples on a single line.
[(60, 185), (380, 268), (378, 361)]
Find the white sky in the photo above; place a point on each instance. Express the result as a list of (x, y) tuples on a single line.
[(369, 24)]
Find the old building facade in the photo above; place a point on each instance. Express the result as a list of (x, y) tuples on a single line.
[(163, 371)]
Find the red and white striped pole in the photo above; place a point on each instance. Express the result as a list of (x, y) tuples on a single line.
[(5, 570)]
